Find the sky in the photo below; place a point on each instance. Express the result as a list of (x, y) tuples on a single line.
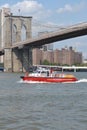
[(53, 14)]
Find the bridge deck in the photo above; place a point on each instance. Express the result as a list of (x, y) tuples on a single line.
[(66, 33)]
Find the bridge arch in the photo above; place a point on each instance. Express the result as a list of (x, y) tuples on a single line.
[(14, 33), (17, 29), (23, 32)]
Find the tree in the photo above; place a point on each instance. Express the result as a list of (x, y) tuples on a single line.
[(45, 62)]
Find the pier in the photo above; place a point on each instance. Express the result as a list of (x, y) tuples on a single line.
[(65, 68)]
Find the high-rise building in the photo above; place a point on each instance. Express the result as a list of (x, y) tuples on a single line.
[(46, 47), (65, 56)]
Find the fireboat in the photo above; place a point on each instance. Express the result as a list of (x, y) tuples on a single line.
[(48, 76)]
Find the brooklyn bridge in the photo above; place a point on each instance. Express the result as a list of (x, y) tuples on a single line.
[(16, 41)]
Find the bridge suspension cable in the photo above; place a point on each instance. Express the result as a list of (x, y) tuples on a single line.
[(47, 25), (39, 28)]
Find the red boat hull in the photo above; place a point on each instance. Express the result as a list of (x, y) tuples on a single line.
[(48, 79)]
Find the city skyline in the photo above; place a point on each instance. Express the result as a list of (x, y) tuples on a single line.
[(54, 13)]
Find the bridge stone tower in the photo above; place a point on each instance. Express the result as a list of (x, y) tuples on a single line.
[(16, 29)]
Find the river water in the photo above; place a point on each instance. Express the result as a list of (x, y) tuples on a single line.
[(28, 106)]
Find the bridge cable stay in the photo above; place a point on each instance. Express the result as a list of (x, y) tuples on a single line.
[(42, 28)]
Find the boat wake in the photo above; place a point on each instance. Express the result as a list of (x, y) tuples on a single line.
[(79, 81), (21, 81)]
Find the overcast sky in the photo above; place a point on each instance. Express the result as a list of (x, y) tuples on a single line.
[(54, 13)]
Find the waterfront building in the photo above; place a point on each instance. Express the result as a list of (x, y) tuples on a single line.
[(65, 56), (57, 56), (37, 56), (46, 47), (47, 55)]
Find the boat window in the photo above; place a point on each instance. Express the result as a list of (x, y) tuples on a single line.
[(43, 72)]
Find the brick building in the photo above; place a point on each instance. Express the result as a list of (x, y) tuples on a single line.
[(65, 56)]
